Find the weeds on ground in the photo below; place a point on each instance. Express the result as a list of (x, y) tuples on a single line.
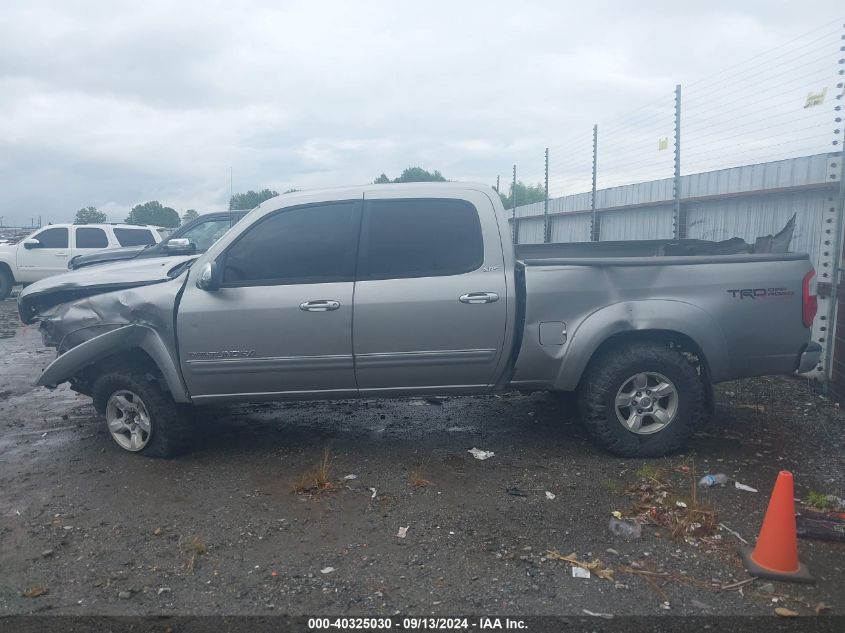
[(317, 479), (651, 472), (817, 500), (35, 591), (416, 478), (193, 547), (654, 503)]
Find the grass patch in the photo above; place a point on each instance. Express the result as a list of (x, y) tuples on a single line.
[(317, 479), (651, 472), (817, 500), (193, 547), (416, 478)]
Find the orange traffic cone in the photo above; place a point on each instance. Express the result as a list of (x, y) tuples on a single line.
[(776, 554)]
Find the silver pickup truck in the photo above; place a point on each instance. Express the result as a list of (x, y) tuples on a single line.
[(403, 290)]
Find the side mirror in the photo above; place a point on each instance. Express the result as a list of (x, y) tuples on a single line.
[(31, 242), (180, 246), (209, 279)]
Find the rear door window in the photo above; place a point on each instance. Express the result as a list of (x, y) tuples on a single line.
[(134, 237), (419, 238), (90, 237)]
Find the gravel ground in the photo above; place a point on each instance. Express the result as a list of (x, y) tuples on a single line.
[(221, 530)]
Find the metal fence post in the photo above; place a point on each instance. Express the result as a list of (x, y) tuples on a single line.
[(514, 227), (829, 387), (547, 234), (677, 230), (594, 223)]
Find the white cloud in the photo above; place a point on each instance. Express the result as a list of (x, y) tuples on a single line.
[(115, 105)]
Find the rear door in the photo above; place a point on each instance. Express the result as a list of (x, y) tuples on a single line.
[(430, 295), (281, 324), (49, 257)]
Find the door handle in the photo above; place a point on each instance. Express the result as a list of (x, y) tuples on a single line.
[(479, 297), (321, 305), (60, 254)]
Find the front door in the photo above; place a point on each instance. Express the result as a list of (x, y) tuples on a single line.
[(430, 296), (281, 324), (49, 257)]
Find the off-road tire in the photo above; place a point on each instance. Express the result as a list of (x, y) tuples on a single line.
[(6, 284), (168, 432), (608, 372)]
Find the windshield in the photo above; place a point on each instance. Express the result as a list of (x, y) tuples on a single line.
[(205, 234)]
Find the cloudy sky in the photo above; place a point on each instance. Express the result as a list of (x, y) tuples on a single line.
[(113, 103)]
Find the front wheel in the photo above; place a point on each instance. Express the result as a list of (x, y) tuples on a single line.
[(643, 400), (140, 416)]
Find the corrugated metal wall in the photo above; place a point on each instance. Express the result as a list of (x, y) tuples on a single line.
[(751, 217), (637, 224), (570, 228), (531, 231)]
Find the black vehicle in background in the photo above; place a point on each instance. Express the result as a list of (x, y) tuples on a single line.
[(194, 237)]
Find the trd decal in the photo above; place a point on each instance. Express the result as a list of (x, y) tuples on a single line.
[(757, 293)]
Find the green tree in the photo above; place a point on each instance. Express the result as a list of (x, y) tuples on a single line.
[(525, 194), (190, 214), (89, 215), (153, 212), (412, 174), (251, 199)]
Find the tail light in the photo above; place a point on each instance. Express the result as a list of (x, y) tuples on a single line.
[(809, 300)]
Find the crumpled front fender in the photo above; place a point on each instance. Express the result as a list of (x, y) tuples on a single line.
[(123, 338)]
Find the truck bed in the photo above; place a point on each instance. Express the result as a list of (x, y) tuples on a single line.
[(743, 312)]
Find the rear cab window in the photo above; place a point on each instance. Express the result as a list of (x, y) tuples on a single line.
[(405, 238), (134, 237), (91, 237)]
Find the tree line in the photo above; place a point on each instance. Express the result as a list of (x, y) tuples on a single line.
[(153, 212), (524, 193)]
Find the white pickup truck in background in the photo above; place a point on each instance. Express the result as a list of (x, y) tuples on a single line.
[(48, 250)]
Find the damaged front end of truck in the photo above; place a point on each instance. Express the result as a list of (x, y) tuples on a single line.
[(118, 315)]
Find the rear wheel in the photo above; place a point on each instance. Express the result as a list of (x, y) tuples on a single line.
[(139, 415), (6, 284), (643, 400)]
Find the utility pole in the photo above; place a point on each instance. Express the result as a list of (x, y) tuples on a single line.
[(546, 224), (594, 222), (678, 231), (497, 184), (231, 188)]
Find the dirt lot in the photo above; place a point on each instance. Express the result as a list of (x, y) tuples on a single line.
[(221, 530)]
